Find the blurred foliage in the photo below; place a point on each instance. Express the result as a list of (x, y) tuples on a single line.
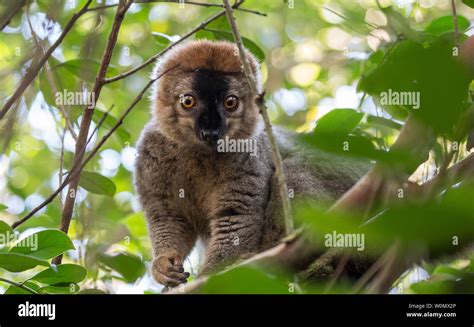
[(316, 56)]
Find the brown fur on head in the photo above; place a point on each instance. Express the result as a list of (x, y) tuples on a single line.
[(210, 72)]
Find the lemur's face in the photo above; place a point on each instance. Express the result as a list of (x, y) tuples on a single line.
[(206, 97)]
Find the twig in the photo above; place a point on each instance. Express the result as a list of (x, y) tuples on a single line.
[(338, 272), (202, 4), (286, 206), (76, 168), (24, 287), (49, 76), (103, 7), (61, 164), (376, 267), (6, 133), (6, 19), (455, 22), (99, 124), (34, 70), (464, 168), (87, 117), (162, 52)]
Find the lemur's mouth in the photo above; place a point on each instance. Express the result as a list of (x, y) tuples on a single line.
[(210, 136), (210, 127)]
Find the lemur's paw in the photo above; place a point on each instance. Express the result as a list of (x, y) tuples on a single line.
[(167, 269)]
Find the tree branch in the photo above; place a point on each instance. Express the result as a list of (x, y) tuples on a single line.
[(34, 70), (87, 117), (285, 200), (195, 3), (455, 23), (22, 286), (6, 19)]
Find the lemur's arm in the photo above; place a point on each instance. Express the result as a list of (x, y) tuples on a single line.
[(172, 236)]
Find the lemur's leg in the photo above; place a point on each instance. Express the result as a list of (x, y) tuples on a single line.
[(233, 236)]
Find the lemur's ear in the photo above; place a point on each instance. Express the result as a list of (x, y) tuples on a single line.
[(255, 66)]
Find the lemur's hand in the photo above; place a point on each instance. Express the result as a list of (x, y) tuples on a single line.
[(167, 269)]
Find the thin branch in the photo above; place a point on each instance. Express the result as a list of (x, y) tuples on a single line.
[(34, 70), (22, 286), (455, 22), (99, 124), (76, 168), (462, 169), (285, 200), (162, 52), (7, 131), (61, 164), (49, 75), (6, 19), (376, 267), (103, 7), (202, 4), (87, 117)]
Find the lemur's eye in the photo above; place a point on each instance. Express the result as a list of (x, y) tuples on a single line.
[(187, 101), (231, 102)]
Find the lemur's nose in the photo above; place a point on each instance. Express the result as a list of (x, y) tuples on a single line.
[(210, 135)]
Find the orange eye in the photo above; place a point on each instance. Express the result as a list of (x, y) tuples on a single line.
[(231, 102), (187, 101)]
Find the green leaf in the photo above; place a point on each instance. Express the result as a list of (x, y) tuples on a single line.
[(136, 224), (249, 44), (62, 288), (129, 266), (469, 3), (246, 280), (109, 122), (162, 38), (5, 232), (399, 23), (97, 184), (337, 123), (3, 207), (333, 133), (429, 287), (62, 79), (5, 228), (15, 262), (85, 69), (445, 24), (66, 273), (431, 74), (91, 291), (18, 290), (374, 120), (46, 244)]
